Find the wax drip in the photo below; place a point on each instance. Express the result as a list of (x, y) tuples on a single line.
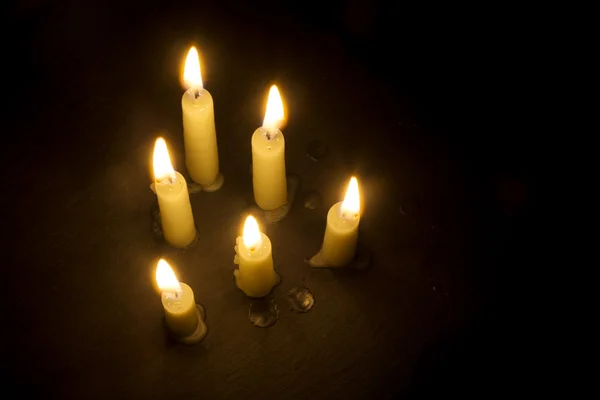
[(363, 260)]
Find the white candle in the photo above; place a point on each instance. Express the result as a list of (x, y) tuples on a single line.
[(256, 275), (177, 300), (341, 233), (199, 134), (268, 157), (173, 199)]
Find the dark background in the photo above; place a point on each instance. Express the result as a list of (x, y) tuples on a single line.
[(428, 91)]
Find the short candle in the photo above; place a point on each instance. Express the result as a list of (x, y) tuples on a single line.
[(199, 134), (268, 157), (173, 199), (341, 232), (256, 275), (177, 300)]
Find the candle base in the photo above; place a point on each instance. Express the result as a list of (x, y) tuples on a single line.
[(293, 187), (199, 334), (157, 231), (194, 187), (362, 261), (187, 246), (236, 273)]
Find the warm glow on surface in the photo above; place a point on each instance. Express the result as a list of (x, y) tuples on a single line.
[(166, 279), (351, 203), (191, 72), (161, 163), (274, 114), (251, 236)]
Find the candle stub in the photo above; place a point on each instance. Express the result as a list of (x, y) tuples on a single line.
[(268, 157), (177, 220), (341, 232), (183, 318), (199, 133), (255, 275)]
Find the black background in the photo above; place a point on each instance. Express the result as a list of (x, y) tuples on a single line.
[(432, 89)]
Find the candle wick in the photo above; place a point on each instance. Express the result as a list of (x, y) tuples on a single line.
[(176, 295), (268, 135), (196, 93)]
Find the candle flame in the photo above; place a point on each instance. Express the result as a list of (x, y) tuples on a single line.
[(251, 236), (166, 279), (163, 168), (191, 72), (274, 114), (351, 203)]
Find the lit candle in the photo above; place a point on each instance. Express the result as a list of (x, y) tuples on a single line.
[(200, 137), (178, 302), (256, 275), (268, 157), (173, 199), (341, 233)]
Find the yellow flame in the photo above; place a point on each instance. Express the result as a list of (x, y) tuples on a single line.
[(351, 203), (251, 236), (274, 114), (191, 72), (165, 278), (163, 168)]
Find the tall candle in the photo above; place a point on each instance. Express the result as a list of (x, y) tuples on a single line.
[(173, 199), (199, 134), (177, 300), (268, 157), (341, 233), (255, 275)]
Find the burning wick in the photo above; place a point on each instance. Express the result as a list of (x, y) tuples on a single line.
[(196, 94), (167, 282), (169, 180), (174, 296)]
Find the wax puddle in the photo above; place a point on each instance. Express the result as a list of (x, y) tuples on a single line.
[(301, 299), (263, 313)]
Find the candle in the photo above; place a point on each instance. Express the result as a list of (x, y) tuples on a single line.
[(255, 275), (200, 137), (178, 302), (268, 157), (173, 199), (341, 233)]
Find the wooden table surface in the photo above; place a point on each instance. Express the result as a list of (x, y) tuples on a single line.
[(92, 86)]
